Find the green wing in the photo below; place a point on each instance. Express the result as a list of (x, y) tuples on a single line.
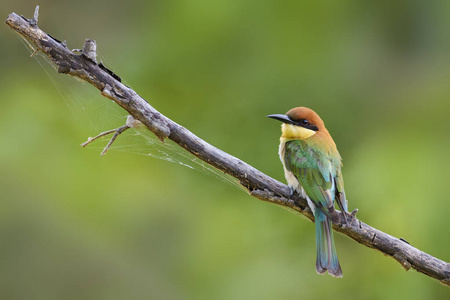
[(315, 171), (340, 193)]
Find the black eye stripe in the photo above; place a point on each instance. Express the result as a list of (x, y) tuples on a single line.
[(306, 124)]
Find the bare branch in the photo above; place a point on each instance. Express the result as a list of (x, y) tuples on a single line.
[(259, 185)]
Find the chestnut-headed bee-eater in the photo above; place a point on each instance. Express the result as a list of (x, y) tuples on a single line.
[(312, 167)]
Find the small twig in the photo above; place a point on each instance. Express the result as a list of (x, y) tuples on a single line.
[(116, 134), (91, 139), (34, 52), (131, 123)]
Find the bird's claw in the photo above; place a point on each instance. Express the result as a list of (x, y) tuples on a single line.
[(352, 215)]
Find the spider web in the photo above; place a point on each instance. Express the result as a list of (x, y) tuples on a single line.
[(103, 115)]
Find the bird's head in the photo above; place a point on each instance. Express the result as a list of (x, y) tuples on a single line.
[(300, 123)]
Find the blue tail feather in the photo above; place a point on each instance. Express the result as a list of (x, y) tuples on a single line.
[(326, 251)]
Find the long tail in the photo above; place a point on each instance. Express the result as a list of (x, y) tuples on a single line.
[(326, 252)]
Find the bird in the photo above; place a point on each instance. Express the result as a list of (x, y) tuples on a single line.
[(312, 167)]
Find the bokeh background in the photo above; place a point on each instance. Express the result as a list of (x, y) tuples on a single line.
[(130, 226)]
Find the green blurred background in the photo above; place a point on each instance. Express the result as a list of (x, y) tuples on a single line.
[(128, 226)]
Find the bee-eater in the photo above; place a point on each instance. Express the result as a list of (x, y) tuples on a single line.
[(312, 167)]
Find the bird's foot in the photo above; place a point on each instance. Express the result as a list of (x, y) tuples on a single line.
[(348, 218)]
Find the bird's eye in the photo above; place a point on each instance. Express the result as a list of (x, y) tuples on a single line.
[(304, 122)]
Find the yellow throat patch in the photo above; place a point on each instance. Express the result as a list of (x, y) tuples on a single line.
[(290, 131)]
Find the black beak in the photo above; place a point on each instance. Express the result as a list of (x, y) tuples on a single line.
[(282, 118)]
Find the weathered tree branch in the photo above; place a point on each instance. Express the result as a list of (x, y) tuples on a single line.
[(258, 185)]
